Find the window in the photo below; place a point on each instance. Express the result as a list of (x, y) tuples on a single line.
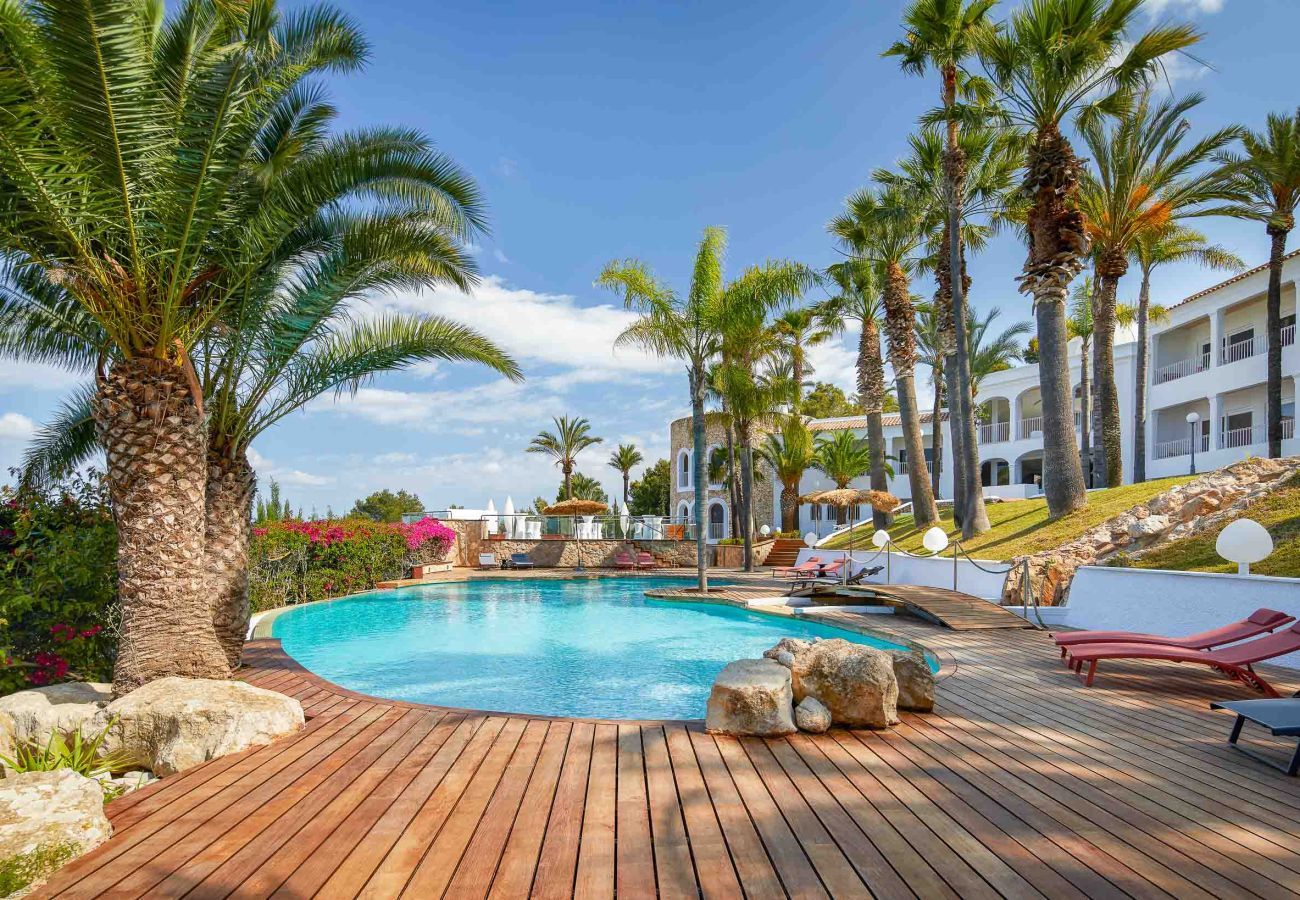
[(1247, 334), (684, 470), (1237, 421), (815, 512)]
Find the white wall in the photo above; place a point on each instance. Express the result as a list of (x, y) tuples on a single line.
[(1175, 603), (935, 572)]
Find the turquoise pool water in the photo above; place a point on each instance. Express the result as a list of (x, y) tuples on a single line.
[(591, 648)]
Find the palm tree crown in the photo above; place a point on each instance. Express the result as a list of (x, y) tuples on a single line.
[(626, 458), (570, 437)]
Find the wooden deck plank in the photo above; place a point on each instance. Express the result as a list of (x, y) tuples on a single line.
[(596, 852), (634, 863), (674, 869), (708, 848), (558, 862)]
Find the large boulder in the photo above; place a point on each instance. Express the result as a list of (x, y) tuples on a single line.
[(174, 723), (751, 697), (812, 715), (35, 714), (855, 682), (915, 680), (46, 818)]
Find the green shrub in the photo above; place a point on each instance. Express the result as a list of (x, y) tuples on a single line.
[(58, 586), (20, 871)]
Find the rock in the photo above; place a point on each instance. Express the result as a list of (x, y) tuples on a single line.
[(174, 723), (915, 680), (36, 713), (58, 814), (1151, 526), (812, 715), (751, 697), (132, 781), (787, 650), (856, 683)]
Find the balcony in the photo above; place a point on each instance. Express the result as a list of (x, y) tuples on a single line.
[(1288, 335), (1182, 368), (1029, 426), (1181, 447), (994, 433), (1232, 353)]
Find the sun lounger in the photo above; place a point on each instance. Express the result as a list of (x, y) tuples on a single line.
[(645, 560), (828, 572), (1259, 622), (624, 561), (864, 573), (488, 561), (1234, 661), (807, 567), (518, 561), (1280, 717)]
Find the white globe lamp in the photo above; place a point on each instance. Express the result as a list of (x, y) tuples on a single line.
[(880, 539), (1244, 541), (765, 530), (935, 540), (810, 539)]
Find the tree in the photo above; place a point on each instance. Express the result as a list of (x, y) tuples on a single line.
[(884, 229), (1081, 325), (1152, 249), (857, 298), (990, 352), (651, 492), (626, 458), (842, 457), (581, 487), (933, 346), (797, 330), (1266, 179), (827, 401), (273, 507), (1143, 178), (683, 329), (385, 506), (943, 34), (790, 454), (571, 437), (1052, 60)]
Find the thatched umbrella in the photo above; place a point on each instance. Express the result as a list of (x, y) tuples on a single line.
[(578, 507), (843, 498)]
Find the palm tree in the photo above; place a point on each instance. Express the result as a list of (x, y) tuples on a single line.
[(932, 346), (858, 298), (991, 353), (1052, 60), (790, 454), (570, 437), (944, 34), (797, 330), (681, 328), (884, 228), (1152, 249), (1143, 178), (129, 172), (842, 457), (1266, 178), (1081, 324), (626, 458)]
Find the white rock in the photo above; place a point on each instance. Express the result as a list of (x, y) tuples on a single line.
[(50, 811), (751, 697), (855, 682), (174, 723), (1149, 527), (812, 715), (34, 714)]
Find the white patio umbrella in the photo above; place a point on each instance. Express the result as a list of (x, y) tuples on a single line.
[(624, 517), (491, 518), (508, 514)]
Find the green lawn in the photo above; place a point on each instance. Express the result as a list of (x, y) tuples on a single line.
[(1279, 513), (1022, 526)]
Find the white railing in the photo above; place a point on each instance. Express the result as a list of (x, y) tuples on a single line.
[(1030, 425), (994, 433), (1242, 437), (1236, 352), (1288, 429), (1182, 368), (1181, 447), (717, 531), (1288, 335), (901, 467)]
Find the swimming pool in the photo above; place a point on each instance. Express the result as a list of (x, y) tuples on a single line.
[(594, 648)]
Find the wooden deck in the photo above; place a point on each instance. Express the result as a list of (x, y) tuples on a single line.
[(952, 609), (1022, 783)]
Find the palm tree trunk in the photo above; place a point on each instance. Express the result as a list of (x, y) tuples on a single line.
[(698, 476), (955, 418), (1108, 452), (796, 372), (155, 442), (747, 497), (1085, 413), (1062, 475), (568, 481), (789, 507), (228, 530), (1140, 400), (871, 388), (936, 434), (1277, 250), (733, 478), (627, 487), (899, 323)]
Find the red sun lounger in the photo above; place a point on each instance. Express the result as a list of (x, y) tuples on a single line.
[(1259, 622), (807, 567), (1234, 661)]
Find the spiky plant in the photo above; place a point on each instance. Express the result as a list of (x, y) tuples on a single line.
[(790, 453)]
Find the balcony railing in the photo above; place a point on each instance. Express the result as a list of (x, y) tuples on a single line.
[(1288, 335), (1181, 447), (717, 531), (994, 432), (529, 527), (1242, 437), (1288, 429), (1182, 368), (1030, 425), (1236, 352)]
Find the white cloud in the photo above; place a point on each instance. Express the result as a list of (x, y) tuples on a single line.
[(297, 477), (507, 167), (1159, 7), (15, 374), (394, 459), (500, 256), (16, 427)]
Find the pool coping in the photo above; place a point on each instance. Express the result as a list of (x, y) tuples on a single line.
[(262, 632)]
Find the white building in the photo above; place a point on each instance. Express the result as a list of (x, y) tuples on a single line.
[(1208, 359)]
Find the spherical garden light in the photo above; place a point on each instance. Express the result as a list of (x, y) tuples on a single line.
[(935, 540), (810, 539), (765, 530), (880, 539), (1244, 541)]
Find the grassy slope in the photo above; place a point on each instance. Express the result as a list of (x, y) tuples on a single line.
[(1279, 513), (1022, 526)]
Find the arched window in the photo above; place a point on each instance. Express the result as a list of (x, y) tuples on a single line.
[(684, 470)]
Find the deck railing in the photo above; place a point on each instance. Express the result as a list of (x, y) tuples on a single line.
[(1029, 425), (994, 433), (1182, 368), (1236, 352)]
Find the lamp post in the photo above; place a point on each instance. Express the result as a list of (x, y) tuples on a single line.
[(1192, 418)]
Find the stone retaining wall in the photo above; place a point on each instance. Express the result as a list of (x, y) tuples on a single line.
[(595, 554)]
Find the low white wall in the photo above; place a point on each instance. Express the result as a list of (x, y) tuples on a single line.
[(931, 572), (1175, 603)]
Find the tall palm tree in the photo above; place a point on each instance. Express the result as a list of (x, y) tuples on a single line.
[(1266, 177), (884, 228), (798, 330), (933, 350), (683, 328), (1145, 175), (626, 458), (1152, 249), (842, 457), (125, 169), (1081, 324), (991, 352), (1052, 60), (790, 454), (944, 34), (570, 437), (857, 298)]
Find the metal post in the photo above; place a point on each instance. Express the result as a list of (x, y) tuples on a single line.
[(954, 565), (889, 559), (1192, 426)]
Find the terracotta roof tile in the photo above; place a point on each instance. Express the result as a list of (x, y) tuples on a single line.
[(851, 422), (1233, 280)]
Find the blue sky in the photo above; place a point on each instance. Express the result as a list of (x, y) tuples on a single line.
[(599, 131)]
